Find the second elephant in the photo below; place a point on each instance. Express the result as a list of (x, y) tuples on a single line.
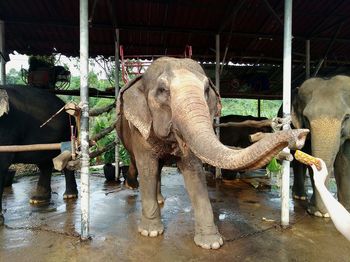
[(323, 106)]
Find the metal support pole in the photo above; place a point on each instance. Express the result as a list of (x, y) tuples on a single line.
[(259, 107), (116, 87), (84, 130), (307, 60), (218, 174), (2, 54), (287, 73)]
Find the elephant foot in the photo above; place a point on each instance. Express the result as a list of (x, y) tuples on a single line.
[(299, 197), (131, 183), (160, 199), (2, 219), (150, 228), (70, 195), (209, 241), (38, 200), (41, 196), (312, 210)]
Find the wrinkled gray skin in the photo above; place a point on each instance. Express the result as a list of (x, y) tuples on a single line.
[(323, 106), (167, 114)]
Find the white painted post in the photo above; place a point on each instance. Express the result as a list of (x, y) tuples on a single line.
[(287, 73), (218, 174), (84, 131), (116, 80), (2, 54), (307, 61)]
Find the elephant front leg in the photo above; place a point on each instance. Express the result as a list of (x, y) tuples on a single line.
[(71, 185), (206, 233), (316, 206), (150, 224), (342, 176), (43, 189), (2, 185), (299, 171)]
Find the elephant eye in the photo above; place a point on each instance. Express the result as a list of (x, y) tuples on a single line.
[(206, 92), (162, 90), (346, 117)]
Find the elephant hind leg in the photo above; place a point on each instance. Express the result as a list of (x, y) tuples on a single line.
[(160, 197), (342, 176), (42, 194), (131, 176)]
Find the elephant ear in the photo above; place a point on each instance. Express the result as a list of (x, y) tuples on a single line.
[(297, 110), (214, 100), (133, 104)]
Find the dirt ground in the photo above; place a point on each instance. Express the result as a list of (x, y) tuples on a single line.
[(248, 219)]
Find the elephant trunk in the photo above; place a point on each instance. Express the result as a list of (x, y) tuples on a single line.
[(193, 122), (325, 140)]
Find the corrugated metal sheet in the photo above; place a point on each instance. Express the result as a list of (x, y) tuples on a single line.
[(159, 27), (156, 27)]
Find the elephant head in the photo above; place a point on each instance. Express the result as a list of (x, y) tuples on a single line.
[(323, 106), (175, 101)]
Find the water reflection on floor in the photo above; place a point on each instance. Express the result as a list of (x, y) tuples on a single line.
[(246, 217)]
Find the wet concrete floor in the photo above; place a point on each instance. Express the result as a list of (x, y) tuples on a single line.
[(248, 219)]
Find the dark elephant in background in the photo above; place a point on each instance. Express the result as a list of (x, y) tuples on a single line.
[(22, 110), (323, 106), (238, 136), (167, 114)]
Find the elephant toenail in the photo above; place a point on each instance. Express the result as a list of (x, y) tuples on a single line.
[(153, 233), (216, 245), (144, 233)]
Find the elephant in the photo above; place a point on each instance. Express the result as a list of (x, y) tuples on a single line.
[(323, 106), (22, 110), (238, 136), (167, 114)]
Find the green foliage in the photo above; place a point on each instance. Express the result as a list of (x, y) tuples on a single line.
[(235, 106), (274, 166), (14, 77)]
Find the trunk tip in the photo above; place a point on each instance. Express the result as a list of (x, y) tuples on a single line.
[(298, 137)]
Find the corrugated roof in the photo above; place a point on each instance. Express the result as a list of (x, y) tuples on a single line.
[(251, 31), (165, 27)]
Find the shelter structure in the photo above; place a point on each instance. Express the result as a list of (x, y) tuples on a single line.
[(248, 33), (251, 34)]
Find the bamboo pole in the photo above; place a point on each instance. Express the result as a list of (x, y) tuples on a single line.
[(28, 148)]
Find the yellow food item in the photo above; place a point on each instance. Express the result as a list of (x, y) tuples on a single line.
[(307, 159)]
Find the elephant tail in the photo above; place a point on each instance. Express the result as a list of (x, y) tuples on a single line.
[(4, 102)]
